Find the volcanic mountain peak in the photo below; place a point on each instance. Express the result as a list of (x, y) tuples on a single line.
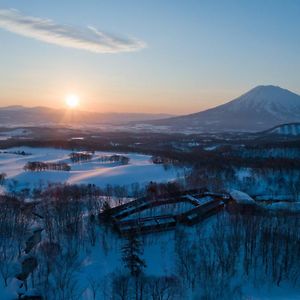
[(259, 109)]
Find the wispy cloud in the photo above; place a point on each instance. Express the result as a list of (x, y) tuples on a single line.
[(46, 30)]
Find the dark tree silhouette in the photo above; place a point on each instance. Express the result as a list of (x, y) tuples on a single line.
[(132, 252)]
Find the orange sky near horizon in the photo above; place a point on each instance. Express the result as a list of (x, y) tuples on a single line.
[(107, 101)]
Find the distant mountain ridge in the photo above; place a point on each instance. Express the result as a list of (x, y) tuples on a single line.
[(291, 129), (259, 109), (17, 115)]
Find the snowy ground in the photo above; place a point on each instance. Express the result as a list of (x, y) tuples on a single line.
[(160, 258), (103, 259), (140, 169)]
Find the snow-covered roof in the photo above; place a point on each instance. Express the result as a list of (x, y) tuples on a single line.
[(241, 197)]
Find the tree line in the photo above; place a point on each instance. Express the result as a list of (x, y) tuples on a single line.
[(45, 166), (77, 157), (124, 160)]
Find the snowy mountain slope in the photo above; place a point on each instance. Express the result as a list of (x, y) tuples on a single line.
[(292, 129), (259, 109)]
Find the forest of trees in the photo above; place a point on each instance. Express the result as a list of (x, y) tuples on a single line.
[(262, 180), (208, 264), (260, 251)]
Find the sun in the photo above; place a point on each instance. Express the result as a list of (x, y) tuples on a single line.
[(72, 101)]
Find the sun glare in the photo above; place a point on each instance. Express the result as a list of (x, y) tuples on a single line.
[(72, 101)]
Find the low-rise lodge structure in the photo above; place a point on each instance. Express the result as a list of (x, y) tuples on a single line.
[(146, 215)]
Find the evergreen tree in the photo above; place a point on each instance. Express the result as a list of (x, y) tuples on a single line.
[(132, 253)]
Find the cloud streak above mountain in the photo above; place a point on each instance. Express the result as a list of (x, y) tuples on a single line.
[(45, 30)]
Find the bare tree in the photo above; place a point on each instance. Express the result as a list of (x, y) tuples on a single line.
[(94, 284)]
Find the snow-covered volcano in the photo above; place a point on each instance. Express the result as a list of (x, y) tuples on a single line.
[(259, 109)]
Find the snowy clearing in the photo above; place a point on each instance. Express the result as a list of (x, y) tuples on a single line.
[(139, 170)]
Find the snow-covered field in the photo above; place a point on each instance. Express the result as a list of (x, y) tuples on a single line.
[(139, 170)]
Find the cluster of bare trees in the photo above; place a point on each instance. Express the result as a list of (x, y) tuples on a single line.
[(214, 179), (122, 159), (22, 153), (68, 217), (65, 191), (45, 166), (258, 250), (124, 287), (255, 181), (208, 264), (272, 182), (15, 220), (77, 157), (154, 189), (56, 275), (163, 160), (113, 194)]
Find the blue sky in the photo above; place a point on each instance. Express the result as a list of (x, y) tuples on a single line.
[(187, 55)]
